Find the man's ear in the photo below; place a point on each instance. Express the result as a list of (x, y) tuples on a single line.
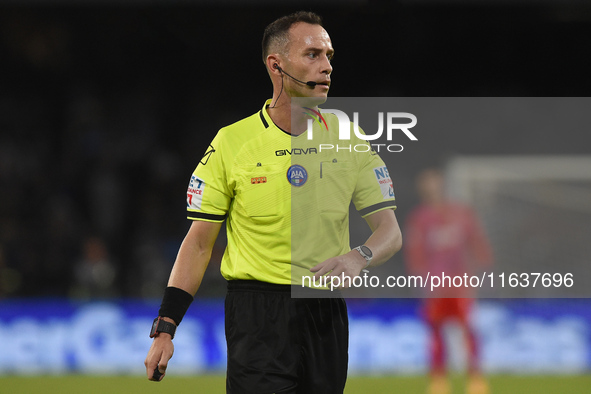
[(273, 64)]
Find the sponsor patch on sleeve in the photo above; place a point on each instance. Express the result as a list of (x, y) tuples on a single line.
[(383, 178), (195, 193)]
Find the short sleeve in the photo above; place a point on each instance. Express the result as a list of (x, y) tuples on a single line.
[(209, 195), (374, 190)]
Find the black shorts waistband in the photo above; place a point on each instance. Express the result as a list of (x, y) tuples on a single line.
[(266, 287), (257, 286)]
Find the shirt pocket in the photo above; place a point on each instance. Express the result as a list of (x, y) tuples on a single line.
[(264, 191), (336, 184)]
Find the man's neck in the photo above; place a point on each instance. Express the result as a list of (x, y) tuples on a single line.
[(291, 119)]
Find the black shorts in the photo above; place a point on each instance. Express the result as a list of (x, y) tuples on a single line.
[(278, 344)]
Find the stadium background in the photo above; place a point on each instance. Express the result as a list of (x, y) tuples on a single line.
[(106, 107)]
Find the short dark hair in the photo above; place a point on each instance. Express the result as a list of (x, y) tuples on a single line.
[(278, 30)]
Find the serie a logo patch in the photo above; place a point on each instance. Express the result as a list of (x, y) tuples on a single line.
[(259, 179)]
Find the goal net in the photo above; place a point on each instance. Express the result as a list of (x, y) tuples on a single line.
[(536, 211)]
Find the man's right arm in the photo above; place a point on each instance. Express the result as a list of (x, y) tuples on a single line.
[(194, 255), (187, 274)]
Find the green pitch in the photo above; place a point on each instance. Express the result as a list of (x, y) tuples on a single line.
[(215, 384)]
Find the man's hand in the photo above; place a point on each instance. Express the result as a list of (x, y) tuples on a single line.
[(348, 265), (187, 273), (160, 352)]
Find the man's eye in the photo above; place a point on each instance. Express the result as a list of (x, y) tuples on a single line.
[(311, 55)]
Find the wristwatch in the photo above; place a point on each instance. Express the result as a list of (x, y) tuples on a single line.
[(366, 253), (161, 325)]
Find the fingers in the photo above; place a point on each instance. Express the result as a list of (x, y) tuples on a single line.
[(157, 360), (337, 269), (163, 364), (323, 268), (153, 372), (336, 266), (157, 375), (336, 273), (159, 371), (150, 366)]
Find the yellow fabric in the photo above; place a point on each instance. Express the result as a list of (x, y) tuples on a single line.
[(278, 229)]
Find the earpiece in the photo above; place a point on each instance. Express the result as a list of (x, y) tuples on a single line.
[(311, 84)]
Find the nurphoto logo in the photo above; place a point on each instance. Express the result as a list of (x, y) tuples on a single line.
[(389, 118)]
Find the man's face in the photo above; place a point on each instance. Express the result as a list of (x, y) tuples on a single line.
[(308, 59), (430, 185)]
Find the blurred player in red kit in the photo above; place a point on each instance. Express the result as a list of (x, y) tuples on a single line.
[(446, 237)]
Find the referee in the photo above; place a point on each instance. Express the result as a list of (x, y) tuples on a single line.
[(286, 204)]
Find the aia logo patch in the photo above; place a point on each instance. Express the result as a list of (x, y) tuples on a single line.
[(259, 179), (207, 155), (297, 175)]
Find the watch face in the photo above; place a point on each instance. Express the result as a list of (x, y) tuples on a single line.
[(366, 250), (154, 327)]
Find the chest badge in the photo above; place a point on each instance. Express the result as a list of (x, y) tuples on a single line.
[(297, 175), (258, 179)]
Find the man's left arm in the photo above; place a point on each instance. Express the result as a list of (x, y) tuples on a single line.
[(384, 242)]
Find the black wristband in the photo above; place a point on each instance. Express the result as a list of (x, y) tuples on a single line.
[(175, 304)]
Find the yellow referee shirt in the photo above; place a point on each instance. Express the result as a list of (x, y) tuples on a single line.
[(286, 198)]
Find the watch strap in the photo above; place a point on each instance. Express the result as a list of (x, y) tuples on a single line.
[(160, 325), (364, 255)]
